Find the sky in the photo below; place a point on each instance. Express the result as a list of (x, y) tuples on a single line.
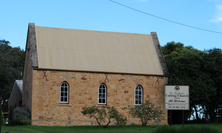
[(107, 15)]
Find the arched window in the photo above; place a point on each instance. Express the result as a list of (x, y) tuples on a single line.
[(64, 92), (138, 95), (102, 94)]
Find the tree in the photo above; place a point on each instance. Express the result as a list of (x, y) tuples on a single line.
[(198, 69), (174, 47), (213, 66), (147, 111), (185, 67), (11, 66)]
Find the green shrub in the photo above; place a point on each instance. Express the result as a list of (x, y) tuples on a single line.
[(26, 121), (3, 120), (10, 112), (21, 116), (104, 114), (121, 119), (187, 129), (147, 111), (118, 117)]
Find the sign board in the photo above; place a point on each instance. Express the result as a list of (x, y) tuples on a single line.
[(177, 97)]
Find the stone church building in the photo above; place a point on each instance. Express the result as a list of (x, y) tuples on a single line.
[(68, 69)]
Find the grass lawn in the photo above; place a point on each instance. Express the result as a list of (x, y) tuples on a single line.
[(77, 129), (95, 129)]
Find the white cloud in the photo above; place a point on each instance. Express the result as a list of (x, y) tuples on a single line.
[(218, 14), (218, 19), (142, 0)]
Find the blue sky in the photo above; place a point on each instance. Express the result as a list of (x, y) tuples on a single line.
[(104, 15)]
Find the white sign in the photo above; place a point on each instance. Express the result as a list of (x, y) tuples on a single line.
[(177, 97)]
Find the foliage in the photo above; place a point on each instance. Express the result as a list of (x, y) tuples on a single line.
[(147, 111), (10, 112), (118, 117), (121, 119), (157, 115), (104, 114), (11, 66), (3, 120), (174, 47), (185, 67), (201, 70), (21, 116), (186, 129), (213, 66)]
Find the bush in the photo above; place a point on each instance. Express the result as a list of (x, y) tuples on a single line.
[(26, 121), (10, 112), (3, 120), (187, 129), (147, 111), (120, 119), (21, 116), (104, 114)]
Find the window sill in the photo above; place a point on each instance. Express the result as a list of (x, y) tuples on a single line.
[(102, 104), (64, 104)]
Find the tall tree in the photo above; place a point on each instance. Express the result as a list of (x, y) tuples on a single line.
[(213, 66), (174, 47), (11, 66), (189, 66)]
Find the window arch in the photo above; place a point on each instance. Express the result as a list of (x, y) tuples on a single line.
[(64, 92), (138, 95), (102, 94)]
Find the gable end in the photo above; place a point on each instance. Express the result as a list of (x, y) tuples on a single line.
[(32, 44), (160, 53)]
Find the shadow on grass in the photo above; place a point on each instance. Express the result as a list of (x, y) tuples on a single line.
[(186, 129)]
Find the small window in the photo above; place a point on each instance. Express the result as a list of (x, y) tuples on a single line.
[(64, 92), (102, 94), (139, 95)]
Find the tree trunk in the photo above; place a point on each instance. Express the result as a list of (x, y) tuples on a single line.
[(197, 118), (98, 122), (144, 124), (107, 123), (212, 115)]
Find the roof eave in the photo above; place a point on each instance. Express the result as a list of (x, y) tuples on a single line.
[(106, 72)]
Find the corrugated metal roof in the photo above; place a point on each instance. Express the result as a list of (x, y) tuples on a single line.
[(84, 50)]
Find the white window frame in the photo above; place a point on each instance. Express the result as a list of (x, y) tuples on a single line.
[(141, 95), (102, 93), (61, 86)]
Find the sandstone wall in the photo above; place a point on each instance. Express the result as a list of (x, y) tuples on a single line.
[(46, 109)]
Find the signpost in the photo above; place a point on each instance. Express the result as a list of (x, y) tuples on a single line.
[(177, 97)]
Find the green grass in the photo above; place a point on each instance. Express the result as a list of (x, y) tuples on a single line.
[(77, 129), (190, 129), (110, 129)]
